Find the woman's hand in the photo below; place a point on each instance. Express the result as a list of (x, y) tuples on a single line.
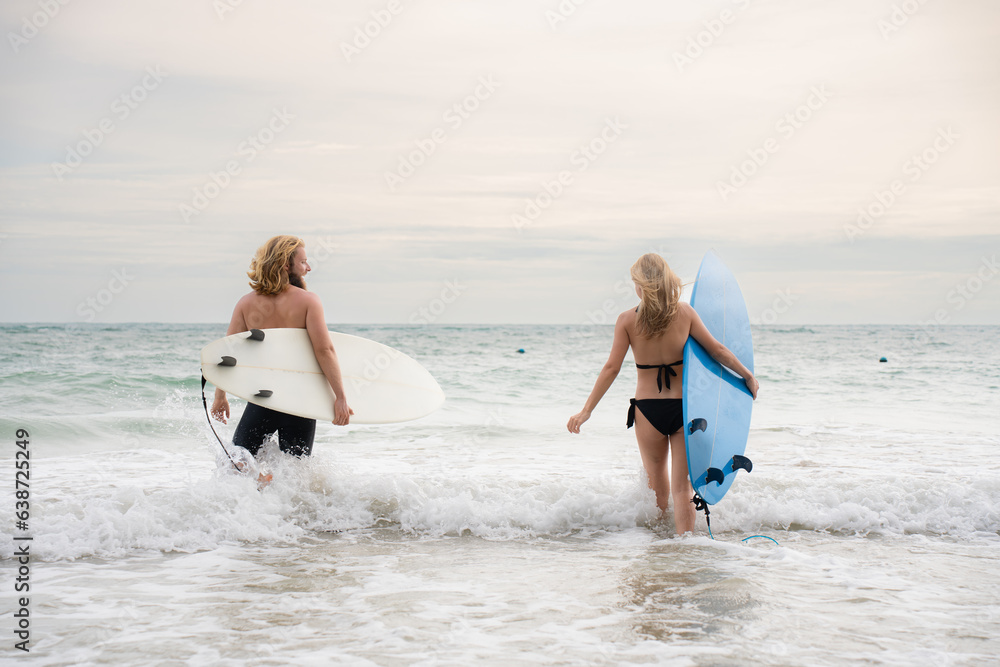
[(576, 421), (220, 408), (752, 386), (342, 412)]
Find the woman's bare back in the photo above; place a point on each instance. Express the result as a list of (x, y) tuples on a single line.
[(664, 349)]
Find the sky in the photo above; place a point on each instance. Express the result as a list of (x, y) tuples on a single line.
[(498, 161)]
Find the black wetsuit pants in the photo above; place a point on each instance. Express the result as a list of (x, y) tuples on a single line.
[(295, 434)]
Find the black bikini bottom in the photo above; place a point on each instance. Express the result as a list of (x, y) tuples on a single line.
[(665, 414)]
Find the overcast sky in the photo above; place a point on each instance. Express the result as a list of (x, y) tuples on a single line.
[(504, 161)]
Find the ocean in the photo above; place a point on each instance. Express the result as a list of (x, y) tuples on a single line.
[(485, 533)]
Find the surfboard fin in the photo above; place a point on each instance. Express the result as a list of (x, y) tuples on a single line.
[(742, 462), (264, 393), (228, 361), (714, 475), (256, 334), (698, 424)]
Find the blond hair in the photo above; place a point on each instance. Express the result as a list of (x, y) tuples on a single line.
[(266, 268), (660, 292)]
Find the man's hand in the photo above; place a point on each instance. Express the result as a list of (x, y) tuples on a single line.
[(220, 408), (342, 412)]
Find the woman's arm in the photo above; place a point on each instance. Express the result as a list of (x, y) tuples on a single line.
[(607, 376), (720, 352), (319, 336)]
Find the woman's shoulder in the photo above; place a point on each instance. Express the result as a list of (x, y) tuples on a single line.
[(627, 316)]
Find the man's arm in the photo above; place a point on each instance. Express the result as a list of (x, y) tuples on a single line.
[(319, 336), (237, 324)]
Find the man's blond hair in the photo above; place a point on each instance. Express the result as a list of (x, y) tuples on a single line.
[(267, 275)]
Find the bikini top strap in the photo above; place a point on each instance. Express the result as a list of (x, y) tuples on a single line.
[(664, 372)]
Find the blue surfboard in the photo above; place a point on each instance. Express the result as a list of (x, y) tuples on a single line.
[(717, 403)]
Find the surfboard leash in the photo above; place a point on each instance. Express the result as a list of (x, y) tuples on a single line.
[(204, 402), (701, 506)]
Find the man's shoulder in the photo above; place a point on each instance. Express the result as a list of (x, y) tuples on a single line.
[(300, 294), (247, 298)]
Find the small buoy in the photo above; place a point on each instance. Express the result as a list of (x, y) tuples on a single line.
[(520, 350), (883, 360)]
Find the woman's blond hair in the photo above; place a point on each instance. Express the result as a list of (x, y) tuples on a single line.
[(266, 268), (660, 292)]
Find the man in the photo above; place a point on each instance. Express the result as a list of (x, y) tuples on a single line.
[(279, 300)]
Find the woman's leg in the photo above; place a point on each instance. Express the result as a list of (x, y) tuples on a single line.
[(653, 448), (684, 511)]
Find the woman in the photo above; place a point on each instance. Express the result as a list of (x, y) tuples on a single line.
[(657, 331)]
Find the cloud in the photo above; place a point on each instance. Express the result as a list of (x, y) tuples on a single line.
[(744, 113)]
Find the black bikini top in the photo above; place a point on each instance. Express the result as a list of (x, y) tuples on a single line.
[(663, 375)]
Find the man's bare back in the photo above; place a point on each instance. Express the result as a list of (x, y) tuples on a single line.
[(279, 311)]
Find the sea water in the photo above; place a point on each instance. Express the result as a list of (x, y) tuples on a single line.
[(485, 533)]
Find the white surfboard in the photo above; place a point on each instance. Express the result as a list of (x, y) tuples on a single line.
[(276, 368)]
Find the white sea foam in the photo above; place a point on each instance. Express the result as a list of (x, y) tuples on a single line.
[(138, 501), (486, 534)]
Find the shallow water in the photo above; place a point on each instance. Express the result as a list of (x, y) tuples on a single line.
[(486, 534)]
